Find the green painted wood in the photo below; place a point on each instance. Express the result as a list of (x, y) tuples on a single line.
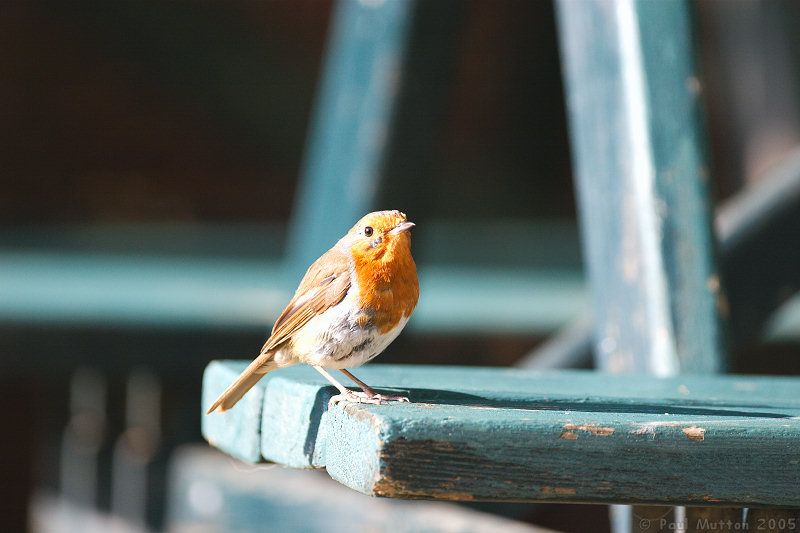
[(168, 292), (207, 494), (352, 123), (154, 291), (636, 130), (262, 240), (753, 228), (82, 275), (643, 51), (762, 254), (521, 435), (638, 145), (238, 432)]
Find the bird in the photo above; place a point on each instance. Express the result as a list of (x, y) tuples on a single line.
[(351, 304)]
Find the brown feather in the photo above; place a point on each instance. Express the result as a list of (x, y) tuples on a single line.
[(324, 285), (246, 380)]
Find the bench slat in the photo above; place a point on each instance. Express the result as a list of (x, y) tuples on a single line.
[(506, 434)]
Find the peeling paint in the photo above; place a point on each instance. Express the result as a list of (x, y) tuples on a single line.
[(659, 424), (644, 430), (569, 435), (693, 85), (594, 429), (562, 491), (392, 489), (695, 433), (359, 413)]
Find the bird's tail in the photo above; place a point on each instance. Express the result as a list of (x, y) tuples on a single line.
[(249, 377)]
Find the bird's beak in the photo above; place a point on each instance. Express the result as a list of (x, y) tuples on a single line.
[(400, 228)]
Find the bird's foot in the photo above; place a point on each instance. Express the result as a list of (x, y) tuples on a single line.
[(363, 397), (391, 398)]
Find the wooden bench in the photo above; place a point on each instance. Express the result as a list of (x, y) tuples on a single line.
[(208, 494), (526, 436)]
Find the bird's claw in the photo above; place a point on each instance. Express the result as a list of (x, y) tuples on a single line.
[(392, 398), (362, 397)]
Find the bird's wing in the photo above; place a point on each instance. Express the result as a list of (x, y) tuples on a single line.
[(325, 284)]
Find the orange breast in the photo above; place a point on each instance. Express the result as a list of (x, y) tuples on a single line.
[(388, 286)]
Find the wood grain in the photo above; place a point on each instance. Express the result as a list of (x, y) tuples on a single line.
[(518, 435)]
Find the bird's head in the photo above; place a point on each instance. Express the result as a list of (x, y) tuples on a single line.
[(380, 235)]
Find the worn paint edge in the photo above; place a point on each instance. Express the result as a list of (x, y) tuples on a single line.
[(235, 432), (355, 438), (664, 360), (294, 422)]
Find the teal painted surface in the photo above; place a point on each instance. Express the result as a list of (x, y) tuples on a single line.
[(461, 453), (262, 240), (208, 493), (491, 433), (352, 123), (461, 299), (639, 155), (636, 129), (163, 292), (682, 173), (139, 290), (238, 431), (293, 433)]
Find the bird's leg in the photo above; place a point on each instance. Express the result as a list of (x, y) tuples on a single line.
[(370, 393), (345, 393), (366, 388)]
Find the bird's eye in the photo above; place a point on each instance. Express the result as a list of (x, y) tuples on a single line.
[(368, 231)]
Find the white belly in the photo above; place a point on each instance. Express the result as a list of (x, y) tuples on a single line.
[(335, 340)]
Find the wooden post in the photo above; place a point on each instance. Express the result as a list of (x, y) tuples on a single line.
[(351, 125), (641, 171), (640, 168)]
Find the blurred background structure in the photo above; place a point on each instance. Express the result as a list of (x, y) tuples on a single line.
[(161, 199)]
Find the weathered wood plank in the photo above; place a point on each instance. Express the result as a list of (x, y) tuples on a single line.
[(638, 144), (238, 432), (636, 129), (352, 123), (505, 434), (162, 292), (206, 494)]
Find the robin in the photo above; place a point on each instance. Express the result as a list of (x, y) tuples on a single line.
[(351, 304)]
